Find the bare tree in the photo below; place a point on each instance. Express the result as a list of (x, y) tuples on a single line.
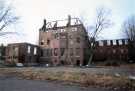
[(6, 17), (129, 29), (102, 22)]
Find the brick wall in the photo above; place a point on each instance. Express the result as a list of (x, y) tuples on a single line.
[(24, 53)]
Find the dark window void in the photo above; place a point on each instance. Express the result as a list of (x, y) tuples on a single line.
[(62, 51), (50, 52), (78, 62), (41, 52), (70, 36), (55, 61), (78, 51), (48, 42), (62, 35), (78, 39), (56, 35), (47, 52), (55, 51), (71, 51), (62, 62), (42, 43), (29, 58)]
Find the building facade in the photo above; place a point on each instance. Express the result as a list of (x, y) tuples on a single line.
[(112, 50), (66, 42), (24, 53), (63, 42)]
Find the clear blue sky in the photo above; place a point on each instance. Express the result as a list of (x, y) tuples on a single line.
[(32, 13)]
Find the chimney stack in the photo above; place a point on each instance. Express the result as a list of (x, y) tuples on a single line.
[(44, 26), (69, 20)]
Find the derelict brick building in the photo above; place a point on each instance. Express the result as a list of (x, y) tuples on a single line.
[(64, 42), (112, 50), (25, 53)]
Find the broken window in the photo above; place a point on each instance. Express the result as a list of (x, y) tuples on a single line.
[(71, 42), (42, 42), (120, 42), (70, 36), (101, 50), (78, 62), (62, 50), (126, 42), (114, 51), (28, 49), (74, 29), (78, 51), (47, 52), (56, 35), (55, 51), (42, 53), (101, 43), (15, 50), (50, 52), (55, 61), (71, 51), (48, 42), (122, 51), (35, 50), (114, 42), (63, 35), (62, 62), (108, 42), (62, 30), (78, 39)]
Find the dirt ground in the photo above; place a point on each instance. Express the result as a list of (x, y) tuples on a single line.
[(109, 77), (12, 83)]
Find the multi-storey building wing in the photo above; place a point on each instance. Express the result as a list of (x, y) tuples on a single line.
[(63, 42)]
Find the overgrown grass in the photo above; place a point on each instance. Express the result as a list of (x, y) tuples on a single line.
[(82, 78)]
